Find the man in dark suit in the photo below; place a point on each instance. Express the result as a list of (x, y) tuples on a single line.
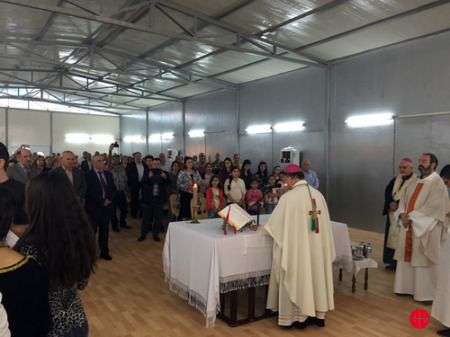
[(135, 172), (76, 176), (155, 183), (23, 170), (99, 196), (86, 164)]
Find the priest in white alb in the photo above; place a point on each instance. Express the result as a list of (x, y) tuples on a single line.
[(301, 279), (422, 219)]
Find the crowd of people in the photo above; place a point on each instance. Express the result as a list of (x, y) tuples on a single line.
[(51, 210)]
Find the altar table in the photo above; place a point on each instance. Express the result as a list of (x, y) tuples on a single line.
[(200, 262)]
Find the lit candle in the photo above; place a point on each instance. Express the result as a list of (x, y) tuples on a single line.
[(195, 194)]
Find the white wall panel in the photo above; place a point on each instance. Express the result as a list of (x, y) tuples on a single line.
[(3, 125), (89, 124), (133, 126), (30, 127)]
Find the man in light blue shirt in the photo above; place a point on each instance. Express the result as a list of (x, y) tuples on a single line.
[(310, 175)]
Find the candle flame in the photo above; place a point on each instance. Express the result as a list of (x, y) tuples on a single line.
[(195, 185)]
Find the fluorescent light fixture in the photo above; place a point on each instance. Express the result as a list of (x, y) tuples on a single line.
[(134, 139), (370, 120), (290, 126), (78, 138), (167, 135), (265, 128), (102, 139), (154, 138), (196, 133)]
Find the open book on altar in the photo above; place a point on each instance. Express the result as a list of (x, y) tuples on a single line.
[(238, 218)]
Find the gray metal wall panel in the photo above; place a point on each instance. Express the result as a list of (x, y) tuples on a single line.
[(412, 78), (166, 118), (417, 135), (295, 96), (213, 112)]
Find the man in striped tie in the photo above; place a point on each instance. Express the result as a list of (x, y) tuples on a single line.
[(422, 216)]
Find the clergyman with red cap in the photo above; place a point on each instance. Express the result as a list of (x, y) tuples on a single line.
[(301, 279), (392, 194)]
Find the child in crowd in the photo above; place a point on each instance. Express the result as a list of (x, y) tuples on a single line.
[(234, 188), (282, 185), (253, 194), (206, 177), (276, 173), (214, 197), (271, 198)]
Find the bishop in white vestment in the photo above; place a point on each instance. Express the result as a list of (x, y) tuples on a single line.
[(301, 279), (422, 209)]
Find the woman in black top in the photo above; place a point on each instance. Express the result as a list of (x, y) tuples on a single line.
[(246, 174), (261, 175), (61, 239), (23, 282)]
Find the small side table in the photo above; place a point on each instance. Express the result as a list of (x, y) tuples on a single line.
[(360, 264), (357, 266)]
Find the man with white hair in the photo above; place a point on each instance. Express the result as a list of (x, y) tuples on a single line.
[(392, 194), (75, 176), (23, 171), (310, 175)]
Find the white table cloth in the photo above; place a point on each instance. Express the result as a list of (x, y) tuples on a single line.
[(200, 262)]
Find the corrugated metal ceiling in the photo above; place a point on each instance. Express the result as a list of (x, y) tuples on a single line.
[(121, 56)]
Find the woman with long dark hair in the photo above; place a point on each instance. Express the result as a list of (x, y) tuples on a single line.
[(185, 182), (23, 282), (246, 174), (60, 238), (225, 171), (261, 175)]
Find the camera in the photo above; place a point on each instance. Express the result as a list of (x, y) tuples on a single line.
[(116, 144)]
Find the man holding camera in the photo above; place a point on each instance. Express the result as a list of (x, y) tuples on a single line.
[(155, 182)]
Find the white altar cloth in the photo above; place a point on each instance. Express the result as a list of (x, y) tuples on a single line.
[(200, 262)]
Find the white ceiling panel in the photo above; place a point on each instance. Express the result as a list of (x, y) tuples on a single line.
[(350, 15), (390, 32), (222, 62), (262, 14), (259, 70), (119, 56), (187, 90)]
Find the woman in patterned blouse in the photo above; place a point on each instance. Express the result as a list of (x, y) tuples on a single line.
[(61, 239)]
